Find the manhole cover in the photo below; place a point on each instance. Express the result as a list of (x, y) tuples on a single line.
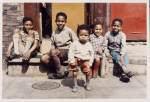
[(46, 85)]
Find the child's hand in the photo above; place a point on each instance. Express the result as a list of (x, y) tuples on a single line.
[(57, 51), (8, 53), (26, 55)]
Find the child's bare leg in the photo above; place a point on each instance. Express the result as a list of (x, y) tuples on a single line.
[(16, 38), (75, 81), (86, 69), (56, 60), (45, 58), (73, 67)]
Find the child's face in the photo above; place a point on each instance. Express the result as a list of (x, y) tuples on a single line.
[(83, 36), (116, 27), (98, 30), (28, 25), (60, 22)]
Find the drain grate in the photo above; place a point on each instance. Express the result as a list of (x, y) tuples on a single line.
[(46, 85)]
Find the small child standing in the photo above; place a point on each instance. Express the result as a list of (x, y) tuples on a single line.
[(81, 54), (116, 42), (97, 41)]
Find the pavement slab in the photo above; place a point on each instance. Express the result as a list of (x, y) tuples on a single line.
[(102, 88)]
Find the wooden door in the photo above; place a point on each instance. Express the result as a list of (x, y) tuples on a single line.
[(134, 19), (96, 12), (32, 10)]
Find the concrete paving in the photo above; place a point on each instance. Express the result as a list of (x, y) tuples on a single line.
[(20, 87), (103, 88)]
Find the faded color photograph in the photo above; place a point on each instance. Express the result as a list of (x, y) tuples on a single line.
[(74, 50)]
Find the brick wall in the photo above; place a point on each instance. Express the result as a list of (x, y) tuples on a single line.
[(12, 17)]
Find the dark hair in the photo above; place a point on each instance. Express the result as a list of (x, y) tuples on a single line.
[(97, 24), (61, 14), (117, 19), (27, 19), (83, 27)]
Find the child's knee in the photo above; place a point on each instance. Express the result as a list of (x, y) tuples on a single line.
[(75, 73), (16, 35), (53, 52), (45, 59), (88, 73), (97, 60)]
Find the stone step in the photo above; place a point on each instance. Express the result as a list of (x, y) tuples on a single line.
[(36, 70), (22, 70)]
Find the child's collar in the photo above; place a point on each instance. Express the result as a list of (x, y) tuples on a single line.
[(97, 36), (61, 30)]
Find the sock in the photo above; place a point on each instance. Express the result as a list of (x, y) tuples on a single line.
[(125, 69)]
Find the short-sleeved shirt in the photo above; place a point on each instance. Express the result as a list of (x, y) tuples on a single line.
[(63, 39), (24, 36)]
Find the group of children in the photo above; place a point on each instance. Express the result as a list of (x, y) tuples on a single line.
[(82, 50)]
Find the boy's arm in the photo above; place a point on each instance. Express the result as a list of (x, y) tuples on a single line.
[(9, 49), (73, 35), (123, 44), (52, 42), (35, 45), (71, 58)]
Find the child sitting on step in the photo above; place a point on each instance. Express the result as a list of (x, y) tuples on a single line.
[(97, 41), (25, 41), (116, 42)]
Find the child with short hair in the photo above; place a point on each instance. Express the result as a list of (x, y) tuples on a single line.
[(116, 42), (61, 39), (97, 41), (25, 41), (81, 54)]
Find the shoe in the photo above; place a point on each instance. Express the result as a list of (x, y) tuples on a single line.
[(75, 89), (66, 73), (124, 78), (51, 76), (130, 74)]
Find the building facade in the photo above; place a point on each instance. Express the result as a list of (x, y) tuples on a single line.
[(132, 14)]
